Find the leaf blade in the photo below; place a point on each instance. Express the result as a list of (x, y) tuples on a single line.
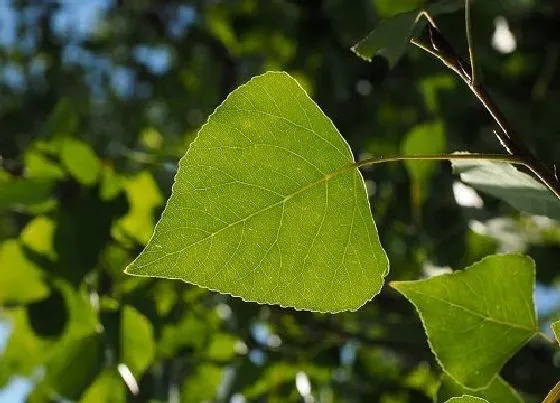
[(263, 213), (459, 321)]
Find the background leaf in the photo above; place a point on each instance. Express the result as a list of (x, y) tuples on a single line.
[(137, 338), (487, 307), (267, 205), (20, 279), (391, 36), (506, 183), (389, 39)]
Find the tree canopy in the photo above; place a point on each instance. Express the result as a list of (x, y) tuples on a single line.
[(98, 102)]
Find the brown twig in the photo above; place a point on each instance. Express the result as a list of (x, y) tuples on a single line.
[(554, 395), (508, 137)]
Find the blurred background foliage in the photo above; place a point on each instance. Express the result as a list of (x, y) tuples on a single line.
[(100, 98)]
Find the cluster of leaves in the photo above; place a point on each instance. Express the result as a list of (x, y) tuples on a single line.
[(269, 186)]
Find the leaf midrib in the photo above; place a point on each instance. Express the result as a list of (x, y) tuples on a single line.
[(474, 313)]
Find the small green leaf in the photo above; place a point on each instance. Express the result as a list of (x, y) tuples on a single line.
[(73, 366), (506, 183), (23, 351), (108, 387), (138, 346), (486, 307), (389, 39), (556, 329), (80, 160), (222, 347), (20, 279), (391, 36), (423, 139), (268, 205), (467, 399), (498, 391), (202, 384)]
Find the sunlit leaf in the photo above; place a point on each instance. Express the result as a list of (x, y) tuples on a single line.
[(510, 185), (498, 391), (202, 384), (20, 279), (487, 308), (389, 39), (38, 235), (222, 347), (423, 139), (268, 205), (80, 160), (391, 36), (108, 387), (137, 338), (143, 196)]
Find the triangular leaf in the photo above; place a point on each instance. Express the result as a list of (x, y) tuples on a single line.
[(507, 183), (269, 205), (487, 307), (498, 391)]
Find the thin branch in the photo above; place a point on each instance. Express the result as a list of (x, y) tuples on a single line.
[(506, 159), (554, 395), (470, 41), (507, 136)]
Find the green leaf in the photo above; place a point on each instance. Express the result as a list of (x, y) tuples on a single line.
[(556, 329), (498, 391), (138, 346), (38, 236), (467, 399), (268, 205), (222, 347), (80, 160), (108, 387), (487, 307), (389, 39), (20, 279), (506, 183), (143, 196), (202, 385), (423, 139)]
